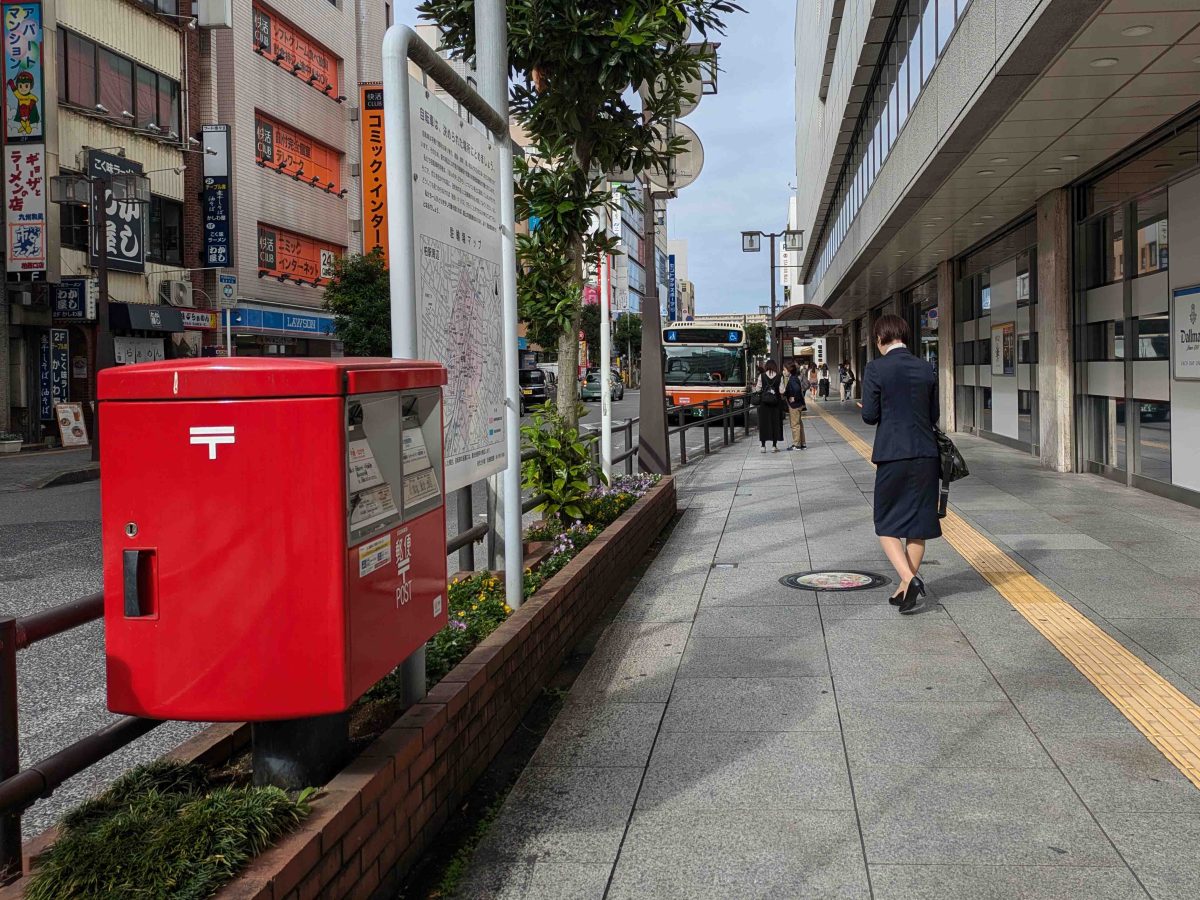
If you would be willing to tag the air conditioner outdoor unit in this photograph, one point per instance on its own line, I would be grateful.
(175, 293)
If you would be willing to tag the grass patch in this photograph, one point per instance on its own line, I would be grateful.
(164, 831)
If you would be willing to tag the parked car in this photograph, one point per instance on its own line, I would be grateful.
(536, 389)
(591, 387)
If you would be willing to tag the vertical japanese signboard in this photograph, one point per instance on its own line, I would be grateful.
(124, 238)
(23, 94)
(74, 300)
(45, 407)
(218, 250)
(672, 295)
(374, 171)
(456, 244)
(60, 374)
(25, 207)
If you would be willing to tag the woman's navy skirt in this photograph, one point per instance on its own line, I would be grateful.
(906, 497)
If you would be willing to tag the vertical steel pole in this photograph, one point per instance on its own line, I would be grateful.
(654, 450)
(105, 356)
(776, 350)
(402, 274)
(605, 357)
(10, 757)
(491, 67)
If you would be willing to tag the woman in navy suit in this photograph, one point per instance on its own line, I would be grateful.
(900, 395)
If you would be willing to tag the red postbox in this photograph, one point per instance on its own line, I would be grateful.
(274, 532)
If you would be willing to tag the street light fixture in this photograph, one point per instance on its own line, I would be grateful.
(793, 241)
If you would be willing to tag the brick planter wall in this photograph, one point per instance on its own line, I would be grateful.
(379, 814)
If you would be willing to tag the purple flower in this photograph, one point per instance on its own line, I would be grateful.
(458, 625)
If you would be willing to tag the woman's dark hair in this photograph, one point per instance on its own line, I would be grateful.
(889, 329)
(791, 367)
(770, 365)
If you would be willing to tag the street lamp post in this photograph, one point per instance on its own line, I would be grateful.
(793, 240)
(84, 190)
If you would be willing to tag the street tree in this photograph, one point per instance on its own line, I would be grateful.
(577, 65)
(359, 297)
(756, 339)
(627, 333)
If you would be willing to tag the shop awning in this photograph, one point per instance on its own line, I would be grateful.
(144, 317)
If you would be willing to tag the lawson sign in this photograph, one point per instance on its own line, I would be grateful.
(279, 321)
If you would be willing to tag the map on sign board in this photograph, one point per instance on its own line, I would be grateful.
(456, 200)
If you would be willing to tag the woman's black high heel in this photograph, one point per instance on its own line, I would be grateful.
(897, 598)
(916, 588)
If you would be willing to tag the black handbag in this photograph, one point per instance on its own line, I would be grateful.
(953, 467)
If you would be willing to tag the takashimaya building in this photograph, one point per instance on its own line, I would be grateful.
(1019, 179)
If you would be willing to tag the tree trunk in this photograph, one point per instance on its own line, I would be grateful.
(568, 346)
(568, 368)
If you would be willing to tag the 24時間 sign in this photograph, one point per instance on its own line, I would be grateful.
(303, 259)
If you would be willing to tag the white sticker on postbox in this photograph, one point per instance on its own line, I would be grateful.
(374, 555)
(437, 606)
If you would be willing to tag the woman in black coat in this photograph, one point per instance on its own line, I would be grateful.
(770, 406)
(900, 395)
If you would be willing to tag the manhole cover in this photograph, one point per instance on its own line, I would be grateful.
(839, 580)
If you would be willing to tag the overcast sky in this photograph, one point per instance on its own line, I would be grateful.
(748, 132)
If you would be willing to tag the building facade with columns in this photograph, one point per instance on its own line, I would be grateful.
(1003, 175)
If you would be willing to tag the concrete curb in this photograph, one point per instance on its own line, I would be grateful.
(75, 476)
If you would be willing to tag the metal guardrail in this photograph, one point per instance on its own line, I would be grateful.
(20, 788)
(708, 413)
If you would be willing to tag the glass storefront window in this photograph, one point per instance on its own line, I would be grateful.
(1108, 431)
(1027, 417)
(1027, 278)
(1104, 341)
(1152, 235)
(1153, 337)
(1153, 447)
(1104, 239)
(964, 407)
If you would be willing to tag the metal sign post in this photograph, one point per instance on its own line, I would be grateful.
(400, 46)
(605, 356)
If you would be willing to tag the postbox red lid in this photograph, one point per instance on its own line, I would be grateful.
(222, 378)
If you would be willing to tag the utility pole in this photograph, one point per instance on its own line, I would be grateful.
(491, 67)
(653, 453)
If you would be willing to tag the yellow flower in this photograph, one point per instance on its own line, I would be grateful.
(507, 609)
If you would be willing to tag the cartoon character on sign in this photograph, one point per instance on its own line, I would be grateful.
(26, 115)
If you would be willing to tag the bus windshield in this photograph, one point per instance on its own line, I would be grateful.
(706, 365)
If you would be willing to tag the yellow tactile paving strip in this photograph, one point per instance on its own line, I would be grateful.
(1168, 719)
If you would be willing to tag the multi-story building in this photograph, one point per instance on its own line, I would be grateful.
(1003, 175)
(284, 81)
(95, 88)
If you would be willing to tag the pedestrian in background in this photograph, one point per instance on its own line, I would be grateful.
(900, 396)
(846, 379)
(794, 395)
(824, 381)
(770, 407)
(813, 379)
